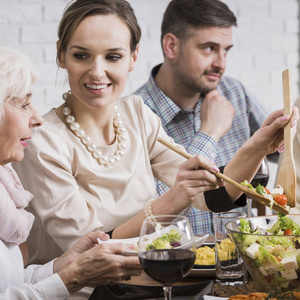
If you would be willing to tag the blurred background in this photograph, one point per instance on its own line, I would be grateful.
(266, 42)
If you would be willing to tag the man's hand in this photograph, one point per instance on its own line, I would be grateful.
(216, 115)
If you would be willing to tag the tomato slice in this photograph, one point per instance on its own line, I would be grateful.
(288, 232)
(281, 200)
(266, 190)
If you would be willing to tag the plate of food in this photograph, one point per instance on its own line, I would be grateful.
(171, 237)
(205, 261)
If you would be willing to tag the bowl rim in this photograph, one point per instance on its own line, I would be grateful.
(256, 217)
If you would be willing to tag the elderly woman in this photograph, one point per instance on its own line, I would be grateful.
(87, 263)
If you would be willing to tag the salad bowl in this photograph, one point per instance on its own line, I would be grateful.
(270, 248)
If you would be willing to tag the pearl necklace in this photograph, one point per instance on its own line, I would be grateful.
(106, 161)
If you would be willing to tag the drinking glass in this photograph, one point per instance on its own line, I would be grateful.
(261, 177)
(167, 249)
(230, 268)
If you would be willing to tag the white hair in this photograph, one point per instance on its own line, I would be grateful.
(16, 75)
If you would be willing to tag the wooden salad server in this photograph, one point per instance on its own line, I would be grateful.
(252, 194)
(286, 176)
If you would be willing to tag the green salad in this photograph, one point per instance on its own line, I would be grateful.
(271, 254)
(166, 241)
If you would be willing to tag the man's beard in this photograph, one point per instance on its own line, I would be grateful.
(198, 85)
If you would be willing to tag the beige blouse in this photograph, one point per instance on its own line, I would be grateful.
(74, 195)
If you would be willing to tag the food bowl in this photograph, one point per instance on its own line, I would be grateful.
(273, 260)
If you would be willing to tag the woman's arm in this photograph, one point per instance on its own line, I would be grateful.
(266, 140)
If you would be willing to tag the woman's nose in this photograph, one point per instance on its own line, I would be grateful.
(36, 118)
(97, 69)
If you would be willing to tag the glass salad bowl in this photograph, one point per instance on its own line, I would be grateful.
(270, 248)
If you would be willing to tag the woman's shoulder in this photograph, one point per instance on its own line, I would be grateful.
(53, 130)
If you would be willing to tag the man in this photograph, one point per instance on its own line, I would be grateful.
(208, 113)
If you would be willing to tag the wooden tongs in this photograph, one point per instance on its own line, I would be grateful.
(252, 194)
(287, 172)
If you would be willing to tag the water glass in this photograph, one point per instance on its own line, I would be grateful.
(230, 268)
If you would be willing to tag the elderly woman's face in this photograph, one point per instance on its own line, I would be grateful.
(16, 125)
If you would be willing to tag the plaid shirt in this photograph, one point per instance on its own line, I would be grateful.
(183, 125)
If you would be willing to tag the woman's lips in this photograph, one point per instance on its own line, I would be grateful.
(23, 141)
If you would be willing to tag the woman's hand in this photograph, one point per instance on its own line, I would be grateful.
(269, 138)
(85, 243)
(194, 176)
(102, 264)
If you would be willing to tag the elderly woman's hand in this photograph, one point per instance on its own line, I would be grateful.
(269, 138)
(85, 243)
(102, 264)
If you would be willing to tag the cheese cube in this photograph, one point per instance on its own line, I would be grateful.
(252, 251)
(289, 263)
(290, 274)
(277, 191)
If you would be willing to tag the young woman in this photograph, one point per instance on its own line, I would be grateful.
(92, 163)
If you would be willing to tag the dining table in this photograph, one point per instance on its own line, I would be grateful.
(141, 287)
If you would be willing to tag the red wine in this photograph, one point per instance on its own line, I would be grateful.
(167, 266)
(261, 179)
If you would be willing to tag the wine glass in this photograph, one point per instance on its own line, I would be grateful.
(261, 177)
(167, 249)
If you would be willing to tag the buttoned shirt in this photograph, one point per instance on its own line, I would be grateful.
(184, 124)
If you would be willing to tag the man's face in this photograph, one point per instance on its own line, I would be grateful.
(201, 61)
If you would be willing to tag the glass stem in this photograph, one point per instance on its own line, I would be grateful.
(168, 292)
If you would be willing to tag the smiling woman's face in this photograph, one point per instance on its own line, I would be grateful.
(98, 59)
(16, 124)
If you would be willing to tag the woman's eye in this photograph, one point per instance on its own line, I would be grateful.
(114, 57)
(80, 56)
(24, 106)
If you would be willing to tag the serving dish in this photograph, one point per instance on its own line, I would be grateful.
(203, 270)
(273, 260)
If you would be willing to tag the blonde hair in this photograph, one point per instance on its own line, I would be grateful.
(16, 75)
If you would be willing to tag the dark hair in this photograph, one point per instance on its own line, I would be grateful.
(182, 15)
(77, 10)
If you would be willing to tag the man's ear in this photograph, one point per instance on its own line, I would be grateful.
(170, 44)
(61, 58)
(133, 59)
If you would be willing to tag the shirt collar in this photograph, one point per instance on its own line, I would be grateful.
(166, 109)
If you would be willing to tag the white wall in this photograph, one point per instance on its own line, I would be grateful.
(265, 43)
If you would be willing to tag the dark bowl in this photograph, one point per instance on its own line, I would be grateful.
(204, 267)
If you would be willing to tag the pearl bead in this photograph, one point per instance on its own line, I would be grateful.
(97, 153)
(74, 126)
(121, 130)
(122, 146)
(70, 119)
(86, 140)
(91, 147)
(104, 160)
(120, 152)
(66, 111)
(122, 138)
(80, 133)
(111, 161)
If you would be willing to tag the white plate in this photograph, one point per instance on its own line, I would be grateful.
(199, 241)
